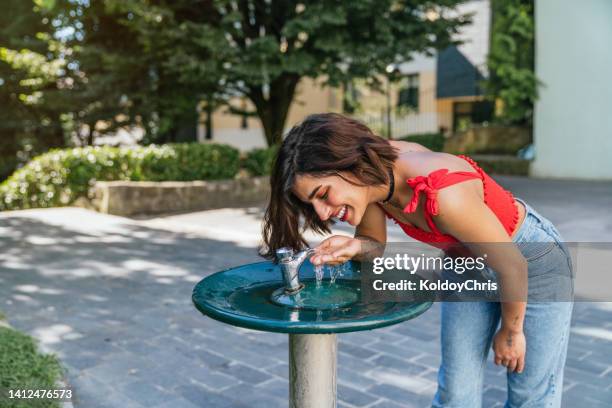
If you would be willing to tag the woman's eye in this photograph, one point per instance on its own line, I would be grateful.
(324, 196)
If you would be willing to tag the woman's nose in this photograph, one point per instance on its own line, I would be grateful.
(322, 210)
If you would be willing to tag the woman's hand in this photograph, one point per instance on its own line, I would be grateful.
(336, 250)
(510, 347)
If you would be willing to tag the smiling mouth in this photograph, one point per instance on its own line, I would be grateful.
(342, 214)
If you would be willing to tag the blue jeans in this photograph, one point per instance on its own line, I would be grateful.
(468, 329)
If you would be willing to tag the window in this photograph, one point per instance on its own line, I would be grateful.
(466, 114)
(408, 96)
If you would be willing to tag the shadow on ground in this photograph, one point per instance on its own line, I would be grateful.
(112, 297)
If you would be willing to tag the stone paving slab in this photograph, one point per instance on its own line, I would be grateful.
(112, 297)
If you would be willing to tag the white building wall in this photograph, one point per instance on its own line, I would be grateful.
(242, 139)
(573, 116)
(475, 36)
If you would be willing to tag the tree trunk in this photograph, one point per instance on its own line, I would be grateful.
(56, 136)
(90, 134)
(208, 135)
(273, 111)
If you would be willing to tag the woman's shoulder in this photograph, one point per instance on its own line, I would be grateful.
(407, 147)
(422, 163)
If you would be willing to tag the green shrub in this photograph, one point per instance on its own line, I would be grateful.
(505, 165)
(259, 162)
(59, 177)
(432, 141)
(188, 161)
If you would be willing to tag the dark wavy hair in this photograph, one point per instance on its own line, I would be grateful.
(322, 145)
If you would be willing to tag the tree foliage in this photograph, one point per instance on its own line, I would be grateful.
(262, 49)
(30, 99)
(72, 69)
(511, 60)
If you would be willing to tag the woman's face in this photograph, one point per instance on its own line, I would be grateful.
(333, 196)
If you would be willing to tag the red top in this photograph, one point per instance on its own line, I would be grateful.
(500, 201)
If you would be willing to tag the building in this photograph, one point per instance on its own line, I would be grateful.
(573, 122)
(439, 93)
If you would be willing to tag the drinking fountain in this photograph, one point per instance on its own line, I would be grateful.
(286, 297)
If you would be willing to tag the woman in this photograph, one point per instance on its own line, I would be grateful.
(332, 168)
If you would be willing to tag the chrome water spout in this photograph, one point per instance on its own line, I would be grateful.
(290, 266)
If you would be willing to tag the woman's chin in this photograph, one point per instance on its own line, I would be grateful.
(350, 218)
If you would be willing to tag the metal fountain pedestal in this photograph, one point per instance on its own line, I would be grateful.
(269, 297)
(313, 359)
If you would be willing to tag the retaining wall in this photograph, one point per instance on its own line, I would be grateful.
(130, 198)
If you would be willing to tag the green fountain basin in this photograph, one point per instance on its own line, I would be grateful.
(252, 296)
(319, 296)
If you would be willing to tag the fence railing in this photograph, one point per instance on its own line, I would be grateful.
(402, 125)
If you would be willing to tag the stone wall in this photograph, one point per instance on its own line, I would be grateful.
(489, 140)
(130, 198)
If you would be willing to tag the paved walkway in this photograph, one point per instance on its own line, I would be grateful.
(111, 296)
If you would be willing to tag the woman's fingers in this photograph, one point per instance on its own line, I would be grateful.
(328, 260)
(317, 259)
(334, 250)
(334, 258)
(513, 364)
(332, 241)
(521, 364)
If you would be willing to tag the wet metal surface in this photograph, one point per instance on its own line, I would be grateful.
(242, 297)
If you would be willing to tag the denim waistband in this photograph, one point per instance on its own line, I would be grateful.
(535, 227)
(535, 231)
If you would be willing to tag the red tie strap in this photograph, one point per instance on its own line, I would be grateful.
(429, 185)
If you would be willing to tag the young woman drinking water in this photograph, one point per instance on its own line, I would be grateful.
(333, 168)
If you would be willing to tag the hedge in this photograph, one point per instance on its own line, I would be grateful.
(432, 141)
(60, 176)
(259, 162)
(502, 164)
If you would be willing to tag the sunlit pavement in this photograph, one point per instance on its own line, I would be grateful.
(112, 297)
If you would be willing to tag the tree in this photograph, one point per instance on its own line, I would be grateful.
(30, 97)
(157, 63)
(511, 60)
(262, 49)
(176, 37)
(120, 74)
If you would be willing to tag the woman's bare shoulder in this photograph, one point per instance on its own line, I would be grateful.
(407, 147)
(421, 163)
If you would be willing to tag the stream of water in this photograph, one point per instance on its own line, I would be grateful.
(319, 272)
(334, 271)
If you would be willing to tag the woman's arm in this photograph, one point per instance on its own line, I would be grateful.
(372, 232)
(464, 215)
(368, 242)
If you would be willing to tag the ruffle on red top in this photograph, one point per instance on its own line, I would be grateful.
(500, 201)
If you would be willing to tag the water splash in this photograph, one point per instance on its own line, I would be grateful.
(334, 271)
(319, 272)
(337, 271)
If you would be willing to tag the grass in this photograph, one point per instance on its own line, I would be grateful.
(23, 367)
